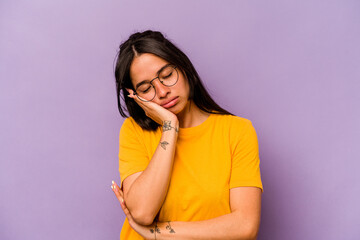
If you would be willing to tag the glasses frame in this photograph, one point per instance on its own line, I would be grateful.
(162, 82)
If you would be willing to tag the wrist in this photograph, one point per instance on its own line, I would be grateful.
(171, 124)
(165, 231)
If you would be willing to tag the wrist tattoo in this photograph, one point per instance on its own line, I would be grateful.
(163, 144)
(167, 126)
(168, 227)
(155, 230)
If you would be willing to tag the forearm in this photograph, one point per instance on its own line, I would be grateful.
(229, 226)
(153, 182)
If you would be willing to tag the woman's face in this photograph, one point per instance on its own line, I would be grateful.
(145, 67)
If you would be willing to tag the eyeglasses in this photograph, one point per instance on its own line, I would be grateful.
(168, 76)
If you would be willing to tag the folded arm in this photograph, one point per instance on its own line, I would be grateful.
(144, 192)
(242, 223)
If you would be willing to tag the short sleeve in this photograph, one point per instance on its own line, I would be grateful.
(245, 170)
(133, 157)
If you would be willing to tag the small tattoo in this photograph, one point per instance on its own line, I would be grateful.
(155, 229)
(163, 144)
(167, 126)
(168, 227)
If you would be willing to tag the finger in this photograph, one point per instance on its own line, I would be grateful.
(148, 107)
(120, 195)
(117, 191)
(133, 95)
(151, 109)
(130, 91)
(136, 97)
(125, 209)
(143, 99)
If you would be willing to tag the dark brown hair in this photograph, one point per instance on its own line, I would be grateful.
(155, 43)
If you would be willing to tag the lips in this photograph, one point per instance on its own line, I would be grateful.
(170, 103)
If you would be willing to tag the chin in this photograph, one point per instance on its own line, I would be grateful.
(179, 109)
(175, 110)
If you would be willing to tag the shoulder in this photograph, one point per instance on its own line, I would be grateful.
(231, 121)
(129, 123)
(131, 129)
(236, 129)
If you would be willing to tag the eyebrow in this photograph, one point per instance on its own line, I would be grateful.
(157, 74)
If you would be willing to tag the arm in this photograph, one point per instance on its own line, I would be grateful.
(242, 223)
(153, 182)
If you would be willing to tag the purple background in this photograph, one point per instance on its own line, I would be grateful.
(293, 68)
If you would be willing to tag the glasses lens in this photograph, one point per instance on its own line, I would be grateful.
(145, 91)
(168, 76)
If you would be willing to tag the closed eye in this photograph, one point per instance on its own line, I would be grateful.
(169, 75)
(146, 90)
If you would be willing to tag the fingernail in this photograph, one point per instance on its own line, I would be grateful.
(112, 187)
(122, 200)
(112, 182)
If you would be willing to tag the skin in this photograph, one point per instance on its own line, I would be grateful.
(145, 67)
(242, 223)
(152, 184)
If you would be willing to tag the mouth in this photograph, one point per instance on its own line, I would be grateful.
(170, 103)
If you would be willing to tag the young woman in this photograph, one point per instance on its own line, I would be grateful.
(189, 169)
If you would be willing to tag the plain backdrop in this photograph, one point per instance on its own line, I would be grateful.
(291, 67)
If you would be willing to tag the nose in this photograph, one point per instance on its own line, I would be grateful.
(161, 90)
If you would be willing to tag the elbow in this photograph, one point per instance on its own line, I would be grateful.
(247, 231)
(140, 213)
(142, 217)
(251, 233)
(246, 235)
(252, 236)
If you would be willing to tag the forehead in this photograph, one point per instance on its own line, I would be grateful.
(145, 67)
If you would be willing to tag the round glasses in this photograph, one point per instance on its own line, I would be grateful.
(168, 76)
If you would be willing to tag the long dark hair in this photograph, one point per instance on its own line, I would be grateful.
(155, 43)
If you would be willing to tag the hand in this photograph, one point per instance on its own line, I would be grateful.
(154, 111)
(148, 232)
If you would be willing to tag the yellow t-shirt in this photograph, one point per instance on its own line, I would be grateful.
(210, 159)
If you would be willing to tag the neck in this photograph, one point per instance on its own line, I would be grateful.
(191, 116)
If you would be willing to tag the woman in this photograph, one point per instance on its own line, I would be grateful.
(189, 169)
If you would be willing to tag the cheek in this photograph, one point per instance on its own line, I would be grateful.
(187, 88)
(184, 86)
